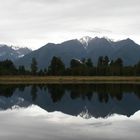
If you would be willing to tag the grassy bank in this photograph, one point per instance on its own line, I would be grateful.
(67, 79)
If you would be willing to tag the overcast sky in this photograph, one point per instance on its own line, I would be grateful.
(33, 23)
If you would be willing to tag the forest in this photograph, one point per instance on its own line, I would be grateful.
(83, 67)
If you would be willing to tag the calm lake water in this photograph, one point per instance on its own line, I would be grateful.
(73, 112)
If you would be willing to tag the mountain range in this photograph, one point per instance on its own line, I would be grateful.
(85, 47)
(12, 53)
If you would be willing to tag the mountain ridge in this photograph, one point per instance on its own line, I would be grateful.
(126, 49)
(12, 52)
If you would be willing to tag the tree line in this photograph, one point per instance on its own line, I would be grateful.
(83, 67)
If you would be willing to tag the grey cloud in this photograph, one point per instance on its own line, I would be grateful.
(97, 30)
(33, 19)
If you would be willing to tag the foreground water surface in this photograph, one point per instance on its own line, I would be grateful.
(60, 112)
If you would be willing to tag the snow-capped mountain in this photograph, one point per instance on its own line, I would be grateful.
(12, 53)
(85, 47)
(85, 41)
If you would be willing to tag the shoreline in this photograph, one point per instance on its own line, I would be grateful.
(69, 80)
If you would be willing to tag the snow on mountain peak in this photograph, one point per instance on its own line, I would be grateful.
(1, 45)
(15, 47)
(85, 40)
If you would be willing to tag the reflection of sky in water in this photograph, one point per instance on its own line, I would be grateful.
(34, 123)
(100, 100)
(50, 112)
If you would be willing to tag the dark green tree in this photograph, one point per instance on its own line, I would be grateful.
(74, 63)
(117, 67)
(89, 63)
(45, 71)
(100, 61)
(119, 62)
(100, 68)
(77, 67)
(56, 67)
(106, 60)
(34, 67)
(21, 70)
(7, 68)
(137, 69)
(40, 73)
(106, 65)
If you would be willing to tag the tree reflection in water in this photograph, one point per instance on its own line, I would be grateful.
(99, 99)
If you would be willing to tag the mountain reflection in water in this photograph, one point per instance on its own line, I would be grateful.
(99, 100)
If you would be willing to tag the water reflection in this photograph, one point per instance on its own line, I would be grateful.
(98, 100)
(34, 123)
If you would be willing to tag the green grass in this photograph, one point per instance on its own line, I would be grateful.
(67, 79)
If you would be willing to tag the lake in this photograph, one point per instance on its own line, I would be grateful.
(70, 112)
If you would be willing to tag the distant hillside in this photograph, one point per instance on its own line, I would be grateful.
(86, 47)
(12, 53)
